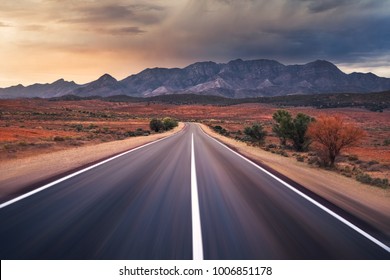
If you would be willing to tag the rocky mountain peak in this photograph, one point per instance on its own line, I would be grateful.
(107, 78)
(237, 78)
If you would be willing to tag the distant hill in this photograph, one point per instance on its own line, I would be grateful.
(377, 101)
(235, 79)
(58, 88)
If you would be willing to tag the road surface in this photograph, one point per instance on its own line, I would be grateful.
(183, 197)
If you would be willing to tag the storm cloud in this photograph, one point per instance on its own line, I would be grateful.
(79, 40)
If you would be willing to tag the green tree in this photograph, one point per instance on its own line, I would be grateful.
(255, 133)
(299, 136)
(284, 126)
(294, 129)
(156, 125)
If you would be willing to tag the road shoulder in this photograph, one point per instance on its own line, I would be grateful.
(370, 204)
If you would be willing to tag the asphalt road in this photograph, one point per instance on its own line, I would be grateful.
(138, 206)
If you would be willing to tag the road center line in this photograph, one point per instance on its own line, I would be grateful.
(197, 245)
(316, 203)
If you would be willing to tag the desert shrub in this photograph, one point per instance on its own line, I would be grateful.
(139, 132)
(374, 167)
(282, 153)
(130, 133)
(364, 178)
(92, 126)
(156, 125)
(333, 135)
(78, 127)
(255, 133)
(313, 160)
(300, 158)
(23, 143)
(75, 143)
(219, 129)
(58, 138)
(386, 142)
(353, 157)
(367, 179)
(169, 123)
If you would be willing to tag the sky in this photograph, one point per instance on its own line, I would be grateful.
(44, 40)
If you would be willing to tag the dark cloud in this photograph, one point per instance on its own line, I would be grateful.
(129, 30)
(317, 6)
(120, 31)
(113, 13)
(299, 30)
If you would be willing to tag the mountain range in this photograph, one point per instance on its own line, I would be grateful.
(235, 79)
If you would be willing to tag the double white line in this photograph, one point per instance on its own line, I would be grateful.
(197, 245)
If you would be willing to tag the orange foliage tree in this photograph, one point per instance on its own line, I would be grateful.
(333, 135)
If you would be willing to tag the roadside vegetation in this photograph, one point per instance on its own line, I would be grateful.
(165, 124)
(318, 142)
(333, 135)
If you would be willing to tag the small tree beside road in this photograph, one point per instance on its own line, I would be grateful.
(333, 135)
(288, 128)
(156, 125)
(255, 133)
(299, 136)
(283, 126)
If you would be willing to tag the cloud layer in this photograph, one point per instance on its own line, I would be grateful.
(42, 40)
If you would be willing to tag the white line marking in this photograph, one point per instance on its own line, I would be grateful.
(316, 203)
(16, 199)
(197, 245)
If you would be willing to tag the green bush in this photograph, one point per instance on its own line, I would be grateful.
(58, 138)
(255, 133)
(169, 123)
(287, 128)
(367, 179)
(219, 129)
(156, 125)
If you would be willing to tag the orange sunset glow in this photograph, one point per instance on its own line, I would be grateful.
(45, 40)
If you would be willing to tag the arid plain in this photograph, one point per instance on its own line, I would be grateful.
(42, 139)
